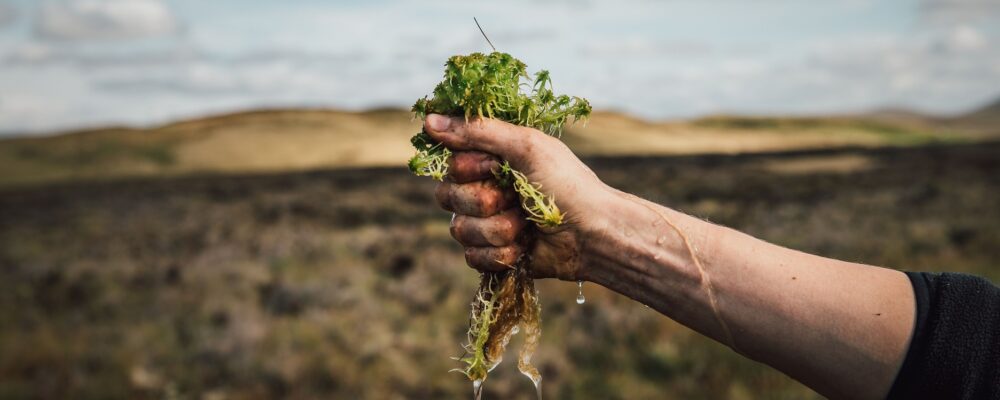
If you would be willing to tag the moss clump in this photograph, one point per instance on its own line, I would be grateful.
(491, 86)
(497, 85)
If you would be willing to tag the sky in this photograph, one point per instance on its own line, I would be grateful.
(67, 64)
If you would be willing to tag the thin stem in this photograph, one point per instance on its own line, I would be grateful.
(484, 34)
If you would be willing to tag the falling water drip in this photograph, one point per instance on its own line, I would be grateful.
(579, 294)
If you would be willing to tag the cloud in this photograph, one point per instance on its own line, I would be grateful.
(967, 38)
(261, 75)
(959, 11)
(944, 71)
(645, 47)
(8, 14)
(663, 60)
(76, 20)
(41, 53)
(517, 36)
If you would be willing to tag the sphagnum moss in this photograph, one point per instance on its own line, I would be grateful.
(497, 85)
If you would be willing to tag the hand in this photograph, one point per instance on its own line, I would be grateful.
(488, 219)
(851, 322)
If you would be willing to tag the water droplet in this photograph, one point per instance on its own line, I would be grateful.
(661, 239)
(579, 294)
(477, 389)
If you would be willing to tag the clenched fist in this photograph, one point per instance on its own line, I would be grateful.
(488, 219)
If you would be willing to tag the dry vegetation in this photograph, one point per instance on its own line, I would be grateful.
(296, 140)
(346, 284)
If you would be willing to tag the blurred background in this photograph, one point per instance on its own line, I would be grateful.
(207, 200)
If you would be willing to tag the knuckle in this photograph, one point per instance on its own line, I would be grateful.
(455, 228)
(494, 233)
(528, 141)
(486, 165)
(491, 258)
(499, 230)
(469, 166)
(491, 234)
(478, 258)
(508, 255)
(469, 130)
(469, 232)
(471, 257)
(504, 229)
(478, 199)
(487, 200)
(510, 229)
(443, 195)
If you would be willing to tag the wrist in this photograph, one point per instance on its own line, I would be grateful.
(647, 252)
(633, 239)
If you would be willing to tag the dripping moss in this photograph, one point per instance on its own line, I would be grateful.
(497, 86)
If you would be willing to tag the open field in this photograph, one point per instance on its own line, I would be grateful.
(346, 284)
(297, 140)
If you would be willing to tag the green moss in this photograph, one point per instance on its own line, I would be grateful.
(491, 86)
(497, 86)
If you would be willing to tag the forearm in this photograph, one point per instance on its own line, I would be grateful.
(839, 327)
(638, 254)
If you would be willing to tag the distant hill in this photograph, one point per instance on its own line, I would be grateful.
(986, 117)
(300, 139)
(980, 123)
(265, 140)
(901, 116)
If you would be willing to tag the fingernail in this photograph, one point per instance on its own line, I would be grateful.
(438, 123)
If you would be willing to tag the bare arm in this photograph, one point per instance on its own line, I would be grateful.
(840, 328)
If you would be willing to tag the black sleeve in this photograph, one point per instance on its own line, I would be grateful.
(955, 349)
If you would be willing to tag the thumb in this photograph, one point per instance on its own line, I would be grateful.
(503, 139)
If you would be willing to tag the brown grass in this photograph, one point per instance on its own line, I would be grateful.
(296, 140)
(346, 284)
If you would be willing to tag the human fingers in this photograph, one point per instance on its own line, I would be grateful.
(508, 141)
(493, 259)
(477, 199)
(499, 230)
(469, 166)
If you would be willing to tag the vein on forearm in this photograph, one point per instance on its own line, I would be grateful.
(706, 280)
(645, 255)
